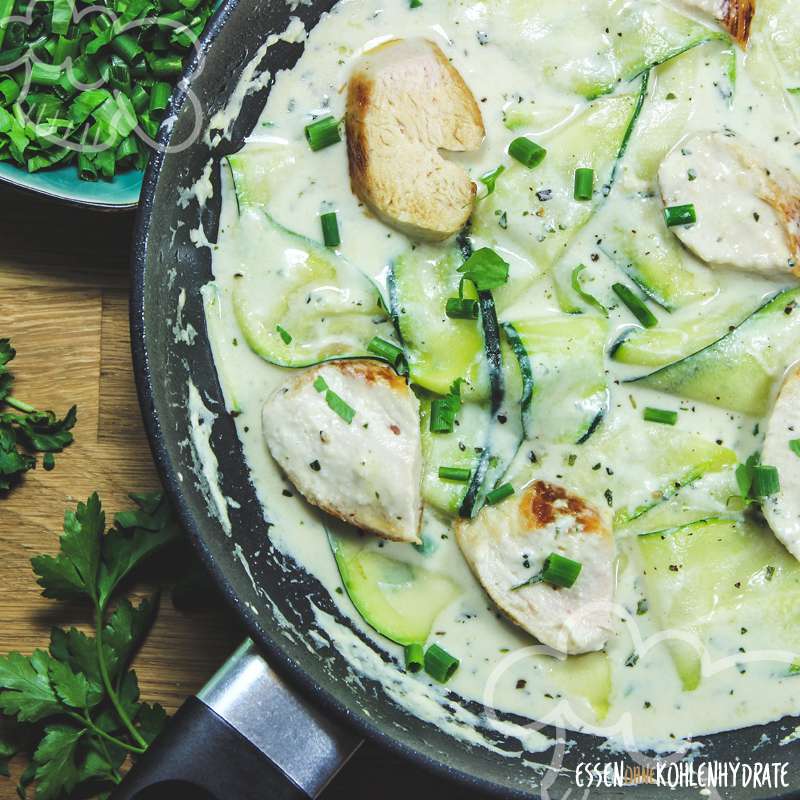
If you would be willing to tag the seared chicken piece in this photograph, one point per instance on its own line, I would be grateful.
(748, 213)
(782, 511)
(736, 16)
(508, 543)
(405, 101)
(367, 471)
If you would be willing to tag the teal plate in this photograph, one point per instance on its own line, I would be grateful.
(63, 184)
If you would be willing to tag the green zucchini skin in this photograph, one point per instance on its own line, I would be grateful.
(377, 584)
(737, 371)
(268, 298)
(526, 373)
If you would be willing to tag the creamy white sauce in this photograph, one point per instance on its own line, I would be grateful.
(500, 665)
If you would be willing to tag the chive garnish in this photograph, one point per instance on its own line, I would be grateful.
(500, 493)
(386, 350)
(489, 179)
(635, 305)
(457, 474)
(557, 570)
(319, 384)
(766, 481)
(415, 657)
(415, 3)
(461, 308)
(439, 664)
(527, 152)
(444, 410)
(485, 269)
(323, 132)
(285, 335)
(583, 294)
(680, 215)
(660, 415)
(794, 446)
(330, 229)
(338, 405)
(584, 183)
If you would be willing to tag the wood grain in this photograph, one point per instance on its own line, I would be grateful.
(64, 304)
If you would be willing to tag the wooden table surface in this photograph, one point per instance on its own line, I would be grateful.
(64, 304)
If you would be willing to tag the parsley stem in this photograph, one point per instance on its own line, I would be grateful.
(107, 736)
(112, 694)
(26, 408)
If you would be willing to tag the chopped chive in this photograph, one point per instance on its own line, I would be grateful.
(444, 410)
(439, 664)
(415, 657)
(500, 493)
(766, 481)
(319, 384)
(323, 133)
(442, 416)
(489, 179)
(330, 229)
(557, 570)
(680, 215)
(642, 606)
(587, 298)
(794, 668)
(386, 350)
(660, 415)
(285, 335)
(454, 474)
(335, 403)
(635, 305)
(461, 308)
(794, 446)
(527, 152)
(584, 183)
(48, 461)
(415, 3)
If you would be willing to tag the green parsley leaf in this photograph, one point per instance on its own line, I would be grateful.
(150, 720)
(56, 770)
(794, 446)
(25, 689)
(125, 631)
(73, 572)
(72, 688)
(485, 269)
(131, 540)
(26, 427)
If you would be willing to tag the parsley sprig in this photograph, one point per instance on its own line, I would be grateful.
(25, 430)
(76, 707)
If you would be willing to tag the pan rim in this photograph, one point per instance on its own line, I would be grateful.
(290, 670)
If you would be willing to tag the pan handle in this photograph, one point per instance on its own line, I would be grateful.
(246, 735)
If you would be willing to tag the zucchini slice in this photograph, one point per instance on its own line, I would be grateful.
(642, 247)
(489, 428)
(397, 598)
(438, 349)
(303, 304)
(542, 216)
(721, 576)
(569, 391)
(655, 347)
(254, 169)
(739, 370)
(674, 459)
(611, 41)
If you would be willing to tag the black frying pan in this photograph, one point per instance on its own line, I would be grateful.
(266, 598)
